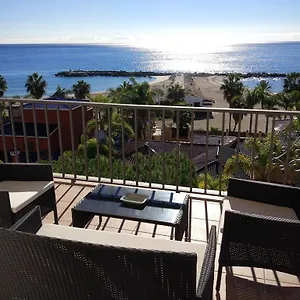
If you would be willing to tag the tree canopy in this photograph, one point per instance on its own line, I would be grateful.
(232, 87)
(176, 94)
(36, 85)
(3, 85)
(61, 92)
(81, 89)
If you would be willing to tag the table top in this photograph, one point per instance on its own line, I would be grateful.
(162, 207)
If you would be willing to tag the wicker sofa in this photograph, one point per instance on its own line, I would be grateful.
(260, 227)
(74, 263)
(22, 187)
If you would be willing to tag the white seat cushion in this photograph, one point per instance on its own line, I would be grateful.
(253, 207)
(123, 240)
(21, 193)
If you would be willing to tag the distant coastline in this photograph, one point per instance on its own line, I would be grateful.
(122, 73)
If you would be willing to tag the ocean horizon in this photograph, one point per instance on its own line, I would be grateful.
(17, 61)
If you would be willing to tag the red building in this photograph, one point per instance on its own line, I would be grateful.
(56, 114)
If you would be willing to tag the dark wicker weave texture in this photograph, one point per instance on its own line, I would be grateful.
(48, 268)
(26, 172)
(265, 192)
(30, 222)
(259, 241)
(206, 280)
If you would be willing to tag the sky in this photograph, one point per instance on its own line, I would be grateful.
(155, 23)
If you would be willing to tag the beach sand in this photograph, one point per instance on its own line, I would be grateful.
(159, 79)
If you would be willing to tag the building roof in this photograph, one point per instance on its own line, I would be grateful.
(197, 152)
(54, 106)
(200, 160)
(213, 140)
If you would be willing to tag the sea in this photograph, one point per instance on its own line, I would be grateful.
(19, 61)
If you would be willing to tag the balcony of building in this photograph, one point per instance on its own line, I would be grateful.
(194, 163)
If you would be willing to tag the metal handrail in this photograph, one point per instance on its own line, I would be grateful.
(157, 107)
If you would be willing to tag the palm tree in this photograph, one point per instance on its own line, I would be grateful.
(158, 94)
(133, 92)
(3, 85)
(81, 89)
(36, 85)
(264, 86)
(231, 87)
(176, 93)
(61, 92)
(296, 97)
(3, 88)
(286, 100)
(251, 99)
(269, 102)
(238, 102)
(292, 82)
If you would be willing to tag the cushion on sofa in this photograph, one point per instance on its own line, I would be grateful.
(123, 240)
(253, 207)
(21, 193)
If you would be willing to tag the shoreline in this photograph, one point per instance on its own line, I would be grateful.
(121, 73)
(156, 81)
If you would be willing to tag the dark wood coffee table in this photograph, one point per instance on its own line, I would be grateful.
(162, 208)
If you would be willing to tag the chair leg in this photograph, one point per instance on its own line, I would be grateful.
(219, 278)
(55, 215)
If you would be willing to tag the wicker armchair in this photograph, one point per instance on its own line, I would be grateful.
(22, 187)
(265, 192)
(260, 241)
(50, 268)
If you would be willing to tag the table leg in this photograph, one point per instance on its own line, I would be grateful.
(172, 233)
(189, 220)
(80, 219)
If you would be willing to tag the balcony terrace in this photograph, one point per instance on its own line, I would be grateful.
(73, 183)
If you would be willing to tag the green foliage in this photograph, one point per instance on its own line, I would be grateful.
(234, 166)
(36, 85)
(260, 150)
(81, 89)
(185, 118)
(135, 93)
(175, 94)
(289, 101)
(140, 173)
(232, 87)
(91, 149)
(292, 82)
(3, 85)
(214, 129)
(157, 94)
(100, 98)
(212, 183)
(61, 92)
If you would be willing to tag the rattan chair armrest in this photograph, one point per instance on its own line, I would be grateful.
(30, 222)
(265, 192)
(206, 279)
(264, 231)
(26, 172)
(5, 210)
